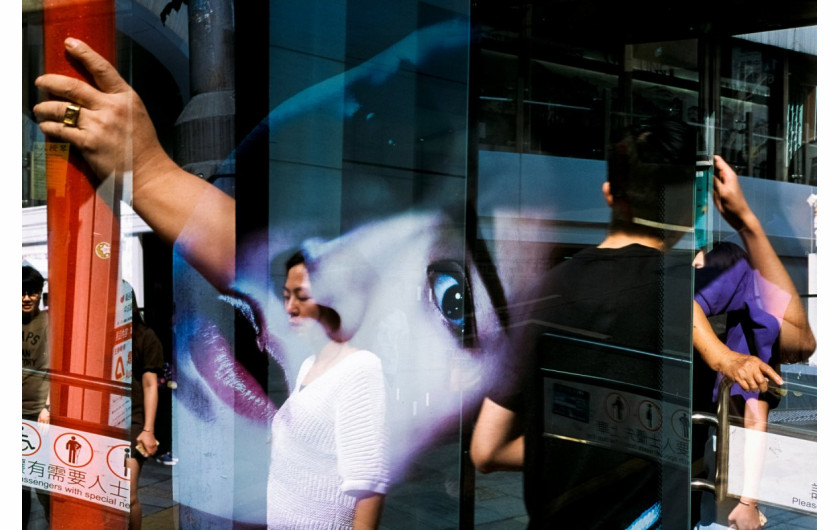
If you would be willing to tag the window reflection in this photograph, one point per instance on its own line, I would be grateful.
(372, 148)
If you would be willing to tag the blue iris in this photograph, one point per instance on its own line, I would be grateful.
(449, 296)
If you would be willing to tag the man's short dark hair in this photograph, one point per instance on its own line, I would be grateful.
(650, 172)
(33, 282)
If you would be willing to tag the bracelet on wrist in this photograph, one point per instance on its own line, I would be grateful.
(748, 504)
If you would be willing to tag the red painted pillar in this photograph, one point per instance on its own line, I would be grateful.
(83, 238)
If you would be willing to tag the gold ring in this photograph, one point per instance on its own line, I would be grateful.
(71, 115)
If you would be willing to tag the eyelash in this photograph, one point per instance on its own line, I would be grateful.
(287, 297)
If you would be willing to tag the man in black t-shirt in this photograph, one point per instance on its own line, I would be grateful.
(613, 294)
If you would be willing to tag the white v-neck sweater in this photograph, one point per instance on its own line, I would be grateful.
(328, 444)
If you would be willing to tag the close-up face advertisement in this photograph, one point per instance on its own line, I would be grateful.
(427, 264)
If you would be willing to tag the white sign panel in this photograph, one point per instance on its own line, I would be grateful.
(75, 463)
(786, 475)
(119, 411)
(121, 361)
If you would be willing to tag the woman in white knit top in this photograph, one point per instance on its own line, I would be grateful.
(329, 461)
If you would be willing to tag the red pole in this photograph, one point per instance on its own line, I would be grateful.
(83, 238)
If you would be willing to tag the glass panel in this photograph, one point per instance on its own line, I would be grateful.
(666, 80)
(566, 109)
(367, 177)
(768, 108)
(748, 136)
(498, 100)
(541, 206)
(762, 436)
(441, 168)
(802, 118)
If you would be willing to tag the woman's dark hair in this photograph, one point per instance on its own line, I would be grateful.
(724, 255)
(296, 259)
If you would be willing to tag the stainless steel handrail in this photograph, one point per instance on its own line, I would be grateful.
(721, 422)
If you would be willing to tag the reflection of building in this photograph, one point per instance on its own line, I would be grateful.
(548, 97)
(548, 92)
(516, 133)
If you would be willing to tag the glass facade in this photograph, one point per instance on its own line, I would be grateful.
(388, 216)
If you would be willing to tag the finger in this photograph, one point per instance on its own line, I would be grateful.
(723, 171)
(720, 172)
(758, 381)
(50, 115)
(63, 133)
(69, 89)
(745, 381)
(55, 110)
(104, 74)
(748, 377)
(767, 370)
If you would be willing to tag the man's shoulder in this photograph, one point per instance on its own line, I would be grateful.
(40, 320)
(633, 250)
(580, 264)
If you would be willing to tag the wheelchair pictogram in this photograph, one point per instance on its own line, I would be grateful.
(30, 440)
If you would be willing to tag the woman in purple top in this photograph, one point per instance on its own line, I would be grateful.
(766, 325)
(727, 284)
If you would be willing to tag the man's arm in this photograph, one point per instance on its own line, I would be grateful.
(498, 443)
(796, 340)
(116, 137)
(150, 403)
(44, 415)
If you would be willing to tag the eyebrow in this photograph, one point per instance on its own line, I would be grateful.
(485, 266)
(489, 275)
